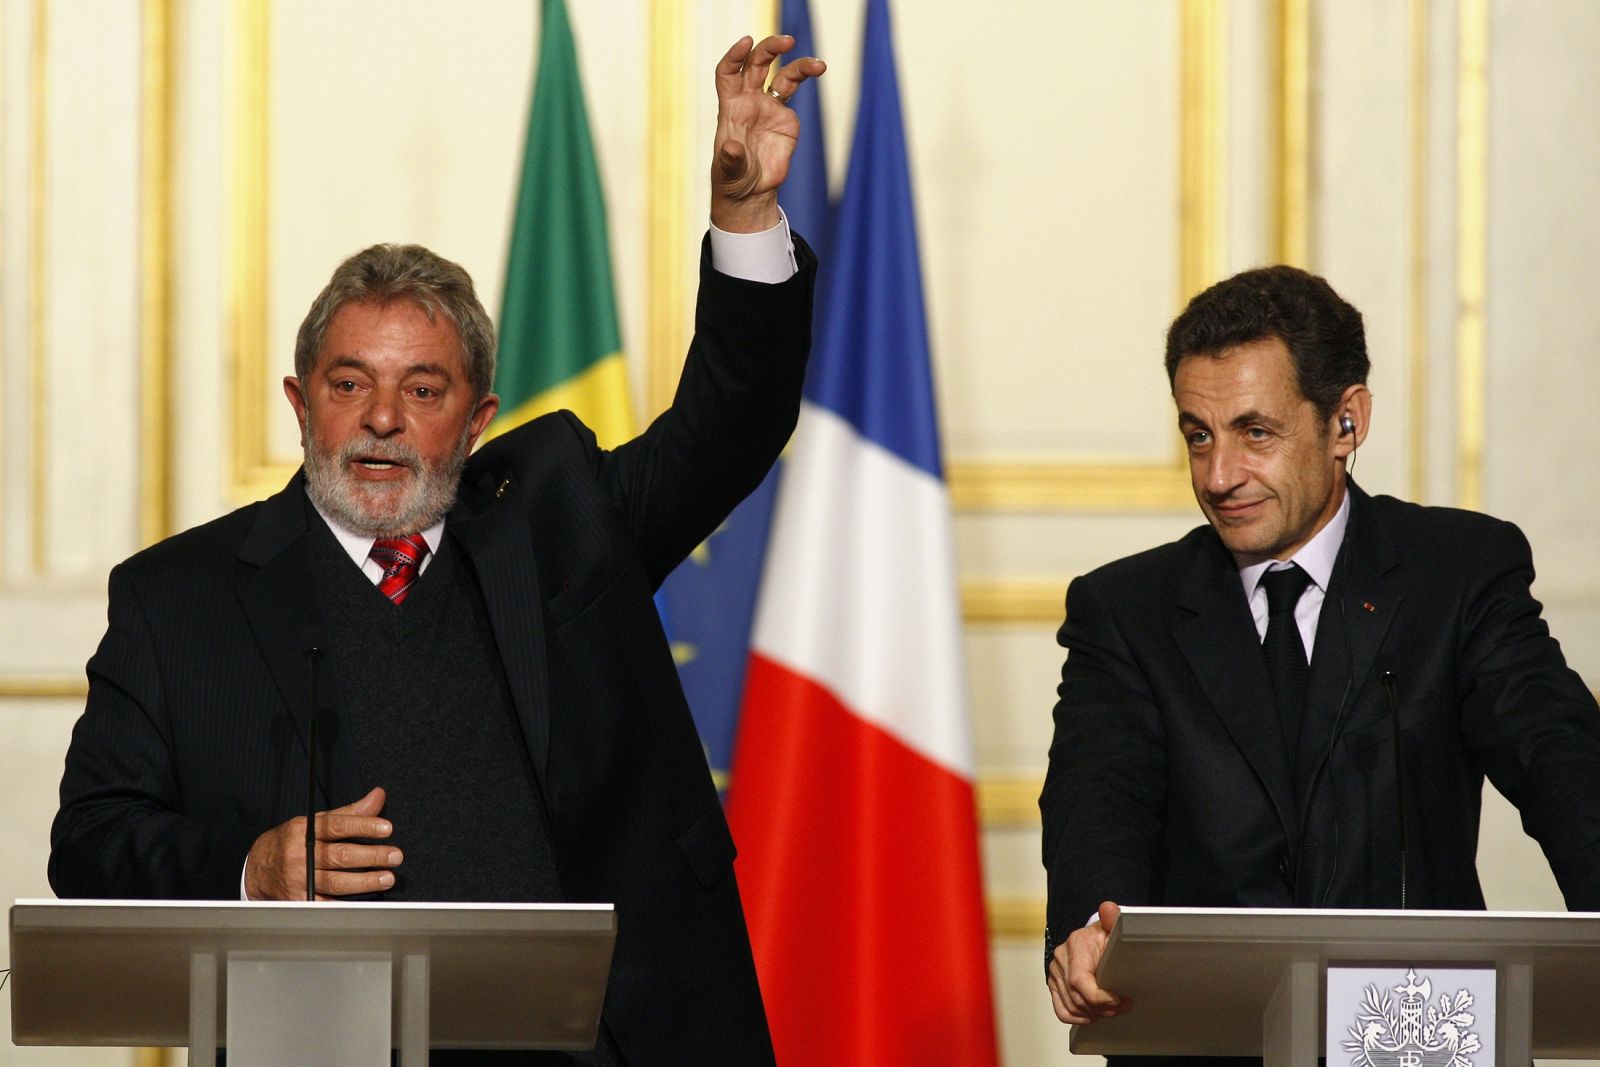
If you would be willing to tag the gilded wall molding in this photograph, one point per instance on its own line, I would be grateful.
(1202, 148)
(155, 254)
(671, 94)
(5, 234)
(254, 474)
(1417, 325)
(38, 286)
(43, 687)
(1472, 211)
(1009, 801)
(1064, 484)
(1010, 602)
(1292, 112)
(1017, 918)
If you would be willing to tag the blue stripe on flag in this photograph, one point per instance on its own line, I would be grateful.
(708, 603)
(870, 361)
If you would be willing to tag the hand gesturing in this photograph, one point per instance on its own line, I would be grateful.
(756, 132)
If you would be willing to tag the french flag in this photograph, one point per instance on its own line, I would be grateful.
(851, 797)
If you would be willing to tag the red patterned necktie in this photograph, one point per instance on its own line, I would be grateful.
(399, 557)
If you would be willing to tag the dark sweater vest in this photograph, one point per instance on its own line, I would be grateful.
(423, 699)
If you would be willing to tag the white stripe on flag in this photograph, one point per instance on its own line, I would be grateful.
(859, 591)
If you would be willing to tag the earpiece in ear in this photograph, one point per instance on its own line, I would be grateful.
(1347, 428)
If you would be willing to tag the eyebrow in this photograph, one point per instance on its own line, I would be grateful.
(1252, 417)
(357, 363)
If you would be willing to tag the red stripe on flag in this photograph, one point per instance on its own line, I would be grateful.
(858, 865)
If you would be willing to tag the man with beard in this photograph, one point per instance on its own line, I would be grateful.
(504, 721)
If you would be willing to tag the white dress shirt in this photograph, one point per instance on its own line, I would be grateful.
(1316, 559)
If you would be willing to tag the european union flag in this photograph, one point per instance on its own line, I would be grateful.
(707, 604)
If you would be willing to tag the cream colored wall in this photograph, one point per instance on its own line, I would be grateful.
(1079, 169)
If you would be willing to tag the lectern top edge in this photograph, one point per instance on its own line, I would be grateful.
(325, 918)
(1339, 930)
(98, 902)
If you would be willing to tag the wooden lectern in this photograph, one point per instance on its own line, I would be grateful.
(329, 982)
(1242, 982)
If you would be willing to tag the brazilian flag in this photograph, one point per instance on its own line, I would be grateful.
(559, 342)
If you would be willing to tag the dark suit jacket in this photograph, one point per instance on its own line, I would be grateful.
(193, 739)
(1168, 781)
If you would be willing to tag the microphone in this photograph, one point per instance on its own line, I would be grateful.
(1388, 681)
(313, 647)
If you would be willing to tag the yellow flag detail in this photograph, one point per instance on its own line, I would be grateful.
(599, 395)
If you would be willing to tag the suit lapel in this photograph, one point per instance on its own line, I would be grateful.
(496, 542)
(1218, 638)
(277, 592)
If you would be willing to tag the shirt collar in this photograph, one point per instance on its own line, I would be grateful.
(359, 545)
(1316, 558)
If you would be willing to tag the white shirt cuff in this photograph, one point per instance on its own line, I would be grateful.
(767, 256)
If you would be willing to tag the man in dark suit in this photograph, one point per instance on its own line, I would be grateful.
(506, 721)
(1201, 758)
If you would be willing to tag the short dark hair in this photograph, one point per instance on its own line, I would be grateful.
(388, 272)
(1320, 329)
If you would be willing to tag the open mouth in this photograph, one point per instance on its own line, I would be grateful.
(381, 467)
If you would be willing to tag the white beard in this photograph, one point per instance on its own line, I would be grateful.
(382, 509)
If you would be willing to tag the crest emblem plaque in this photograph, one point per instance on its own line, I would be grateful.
(1389, 1017)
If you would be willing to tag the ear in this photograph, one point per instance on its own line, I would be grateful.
(1355, 405)
(482, 415)
(297, 400)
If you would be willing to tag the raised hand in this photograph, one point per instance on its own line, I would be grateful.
(756, 132)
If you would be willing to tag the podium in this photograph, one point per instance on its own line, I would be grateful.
(1244, 982)
(271, 980)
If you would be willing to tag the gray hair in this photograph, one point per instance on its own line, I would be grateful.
(403, 272)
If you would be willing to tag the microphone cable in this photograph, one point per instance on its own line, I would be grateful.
(1387, 680)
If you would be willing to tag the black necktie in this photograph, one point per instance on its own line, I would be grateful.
(1285, 652)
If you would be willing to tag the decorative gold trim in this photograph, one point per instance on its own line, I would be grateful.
(152, 1057)
(155, 325)
(1009, 802)
(1201, 151)
(1417, 326)
(670, 103)
(1472, 209)
(1064, 485)
(43, 687)
(1016, 918)
(1009, 602)
(255, 475)
(1292, 106)
(1103, 485)
(4, 236)
(37, 284)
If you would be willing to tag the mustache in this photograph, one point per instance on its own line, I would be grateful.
(376, 448)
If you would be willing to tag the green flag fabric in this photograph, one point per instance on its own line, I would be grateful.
(560, 346)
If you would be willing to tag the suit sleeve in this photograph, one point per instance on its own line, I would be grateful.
(1531, 722)
(736, 405)
(1105, 790)
(120, 831)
